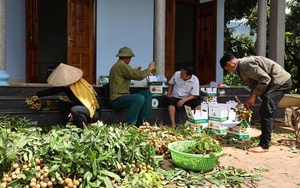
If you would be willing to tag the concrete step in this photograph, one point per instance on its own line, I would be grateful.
(108, 116)
(12, 101)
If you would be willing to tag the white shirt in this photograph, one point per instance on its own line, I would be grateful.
(184, 89)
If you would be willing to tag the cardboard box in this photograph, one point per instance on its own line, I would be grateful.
(231, 110)
(197, 119)
(239, 131)
(156, 88)
(217, 112)
(209, 94)
(217, 127)
(104, 79)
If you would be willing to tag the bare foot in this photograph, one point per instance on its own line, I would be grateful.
(173, 126)
(258, 149)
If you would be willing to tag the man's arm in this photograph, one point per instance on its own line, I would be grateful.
(170, 89)
(250, 101)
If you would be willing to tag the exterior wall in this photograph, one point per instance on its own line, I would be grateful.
(118, 23)
(130, 24)
(220, 40)
(16, 44)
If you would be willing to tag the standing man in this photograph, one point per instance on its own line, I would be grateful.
(139, 104)
(183, 89)
(267, 80)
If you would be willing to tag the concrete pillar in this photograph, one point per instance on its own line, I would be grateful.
(3, 75)
(277, 31)
(159, 35)
(261, 43)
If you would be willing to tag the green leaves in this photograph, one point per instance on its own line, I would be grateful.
(99, 155)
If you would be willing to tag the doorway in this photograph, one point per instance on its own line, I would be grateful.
(191, 38)
(59, 31)
(184, 35)
(52, 36)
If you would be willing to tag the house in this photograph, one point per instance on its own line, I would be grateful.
(37, 35)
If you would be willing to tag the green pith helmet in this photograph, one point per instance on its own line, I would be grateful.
(125, 52)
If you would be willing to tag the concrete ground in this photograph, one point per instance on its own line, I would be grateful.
(282, 162)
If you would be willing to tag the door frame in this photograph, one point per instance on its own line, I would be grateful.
(32, 41)
(170, 37)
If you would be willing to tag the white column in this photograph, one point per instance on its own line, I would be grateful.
(159, 35)
(3, 75)
(261, 44)
(277, 31)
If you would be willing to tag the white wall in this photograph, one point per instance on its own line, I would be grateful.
(16, 36)
(119, 23)
(220, 40)
(124, 23)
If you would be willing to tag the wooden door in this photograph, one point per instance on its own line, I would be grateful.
(170, 39)
(206, 33)
(80, 37)
(205, 39)
(32, 52)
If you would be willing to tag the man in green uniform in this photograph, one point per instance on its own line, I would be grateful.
(139, 104)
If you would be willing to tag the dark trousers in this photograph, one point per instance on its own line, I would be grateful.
(267, 109)
(80, 114)
(192, 103)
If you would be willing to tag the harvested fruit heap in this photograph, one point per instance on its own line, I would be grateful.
(42, 178)
(35, 103)
(160, 138)
(244, 114)
(98, 156)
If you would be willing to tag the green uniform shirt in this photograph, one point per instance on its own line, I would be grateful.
(120, 76)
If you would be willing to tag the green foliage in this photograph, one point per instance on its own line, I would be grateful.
(237, 10)
(292, 43)
(232, 79)
(242, 46)
(96, 155)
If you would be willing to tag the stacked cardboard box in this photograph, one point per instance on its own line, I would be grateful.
(104, 79)
(217, 113)
(209, 94)
(219, 118)
(239, 129)
(155, 86)
(197, 119)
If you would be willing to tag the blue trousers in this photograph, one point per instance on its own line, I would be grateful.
(139, 106)
(267, 109)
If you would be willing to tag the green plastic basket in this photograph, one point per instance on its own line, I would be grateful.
(194, 162)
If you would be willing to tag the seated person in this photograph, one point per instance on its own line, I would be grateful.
(183, 90)
(139, 104)
(82, 107)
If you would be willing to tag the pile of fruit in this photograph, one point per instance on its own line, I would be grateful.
(40, 177)
(244, 114)
(36, 103)
(160, 138)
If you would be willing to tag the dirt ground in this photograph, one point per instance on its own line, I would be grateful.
(280, 164)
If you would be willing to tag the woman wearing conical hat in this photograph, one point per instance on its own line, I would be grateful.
(82, 107)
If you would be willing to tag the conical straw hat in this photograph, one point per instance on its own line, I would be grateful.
(64, 75)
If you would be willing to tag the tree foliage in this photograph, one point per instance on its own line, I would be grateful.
(241, 46)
